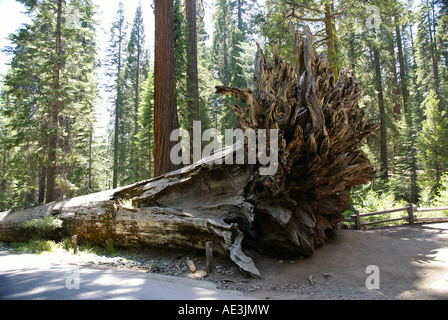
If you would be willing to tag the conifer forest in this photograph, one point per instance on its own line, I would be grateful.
(78, 118)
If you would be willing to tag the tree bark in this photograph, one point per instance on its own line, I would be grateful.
(165, 108)
(290, 212)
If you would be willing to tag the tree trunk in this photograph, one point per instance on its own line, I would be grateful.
(331, 37)
(192, 65)
(407, 110)
(393, 69)
(118, 102)
(42, 178)
(3, 177)
(288, 212)
(165, 108)
(434, 51)
(403, 78)
(240, 15)
(90, 159)
(55, 108)
(192, 60)
(134, 149)
(382, 111)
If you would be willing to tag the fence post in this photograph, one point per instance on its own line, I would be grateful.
(75, 244)
(209, 257)
(411, 213)
(358, 220)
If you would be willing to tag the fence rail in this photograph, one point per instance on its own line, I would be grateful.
(411, 209)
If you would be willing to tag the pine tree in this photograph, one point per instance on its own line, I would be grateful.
(244, 12)
(442, 39)
(427, 49)
(145, 137)
(136, 71)
(205, 76)
(225, 53)
(433, 142)
(50, 92)
(116, 58)
(192, 61)
(180, 64)
(324, 15)
(222, 42)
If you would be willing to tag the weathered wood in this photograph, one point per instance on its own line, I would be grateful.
(358, 220)
(431, 220)
(382, 221)
(431, 209)
(289, 213)
(384, 212)
(75, 244)
(209, 257)
(410, 209)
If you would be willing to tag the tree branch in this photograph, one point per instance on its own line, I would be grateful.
(295, 5)
(293, 15)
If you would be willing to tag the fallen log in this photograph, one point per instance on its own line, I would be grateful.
(288, 213)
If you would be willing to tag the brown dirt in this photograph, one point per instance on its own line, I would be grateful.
(413, 264)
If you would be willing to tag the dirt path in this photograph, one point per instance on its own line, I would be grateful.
(412, 262)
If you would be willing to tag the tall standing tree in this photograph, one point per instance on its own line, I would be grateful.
(224, 60)
(136, 73)
(382, 113)
(222, 42)
(56, 106)
(115, 61)
(433, 141)
(145, 136)
(49, 88)
(192, 61)
(407, 111)
(180, 63)
(165, 109)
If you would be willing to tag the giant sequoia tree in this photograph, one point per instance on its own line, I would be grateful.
(290, 213)
(165, 111)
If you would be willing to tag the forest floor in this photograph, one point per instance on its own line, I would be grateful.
(412, 263)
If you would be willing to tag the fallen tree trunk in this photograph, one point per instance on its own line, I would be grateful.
(289, 213)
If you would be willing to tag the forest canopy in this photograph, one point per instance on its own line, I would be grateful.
(50, 145)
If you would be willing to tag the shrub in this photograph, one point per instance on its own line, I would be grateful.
(37, 246)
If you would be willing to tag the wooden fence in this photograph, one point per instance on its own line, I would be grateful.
(410, 216)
